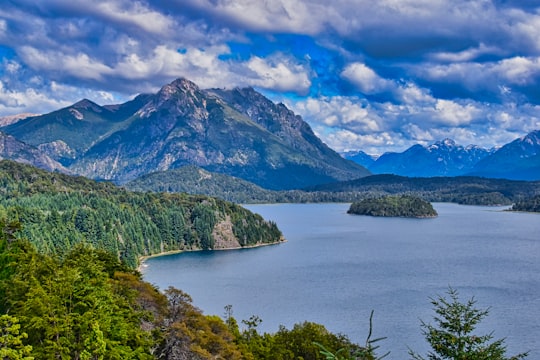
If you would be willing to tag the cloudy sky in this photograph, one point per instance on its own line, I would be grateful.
(370, 75)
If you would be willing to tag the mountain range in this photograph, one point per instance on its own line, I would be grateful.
(517, 160)
(236, 132)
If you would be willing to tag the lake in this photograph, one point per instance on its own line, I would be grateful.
(335, 268)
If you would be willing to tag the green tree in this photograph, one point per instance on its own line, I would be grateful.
(453, 335)
(11, 340)
(365, 353)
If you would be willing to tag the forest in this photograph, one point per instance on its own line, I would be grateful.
(393, 206)
(85, 304)
(69, 288)
(466, 190)
(530, 205)
(60, 211)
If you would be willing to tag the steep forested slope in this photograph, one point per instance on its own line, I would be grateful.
(59, 211)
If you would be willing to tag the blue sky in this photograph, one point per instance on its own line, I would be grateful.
(366, 75)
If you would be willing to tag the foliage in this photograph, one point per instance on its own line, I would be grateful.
(69, 308)
(85, 305)
(11, 340)
(189, 334)
(365, 353)
(401, 206)
(453, 337)
(60, 211)
(303, 341)
(531, 205)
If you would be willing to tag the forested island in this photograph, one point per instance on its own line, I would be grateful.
(530, 205)
(393, 206)
(59, 211)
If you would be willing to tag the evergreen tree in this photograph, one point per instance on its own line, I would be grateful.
(453, 335)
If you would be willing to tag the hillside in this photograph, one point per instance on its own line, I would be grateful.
(467, 190)
(65, 134)
(195, 180)
(60, 211)
(13, 149)
(236, 132)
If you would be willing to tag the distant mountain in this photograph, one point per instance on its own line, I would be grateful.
(67, 133)
(443, 158)
(360, 158)
(236, 132)
(11, 119)
(518, 160)
(13, 149)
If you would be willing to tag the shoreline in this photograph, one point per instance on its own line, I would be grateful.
(142, 259)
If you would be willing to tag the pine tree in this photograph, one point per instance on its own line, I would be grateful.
(453, 335)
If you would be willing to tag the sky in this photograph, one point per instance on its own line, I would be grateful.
(367, 75)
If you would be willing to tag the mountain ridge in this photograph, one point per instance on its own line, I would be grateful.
(517, 160)
(237, 132)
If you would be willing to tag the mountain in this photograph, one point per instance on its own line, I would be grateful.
(443, 158)
(66, 134)
(518, 160)
(236, 132)
(11, 119)
(13, 149)
(360, 158)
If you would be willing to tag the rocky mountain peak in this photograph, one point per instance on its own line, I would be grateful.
(179, 85)
(86, 104)
(180, 96)
(532, 138)
(446, 144)
(236, 132)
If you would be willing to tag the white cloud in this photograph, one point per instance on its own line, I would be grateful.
(340, 112)
(466, 55)
(345, 140)
(412, 94)
(278, 74)
(365, 79)
(488, 76)
(136, 13)
(79, 65)
(518, 70)
(525, 29)
(281, 15)
(14, 102)
(451, 113)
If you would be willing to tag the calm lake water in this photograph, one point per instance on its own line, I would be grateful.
(335, 268)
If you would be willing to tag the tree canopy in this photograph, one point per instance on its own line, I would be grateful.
(60, 211)
(395, 206)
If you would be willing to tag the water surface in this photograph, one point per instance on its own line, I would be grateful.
(335, 268)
